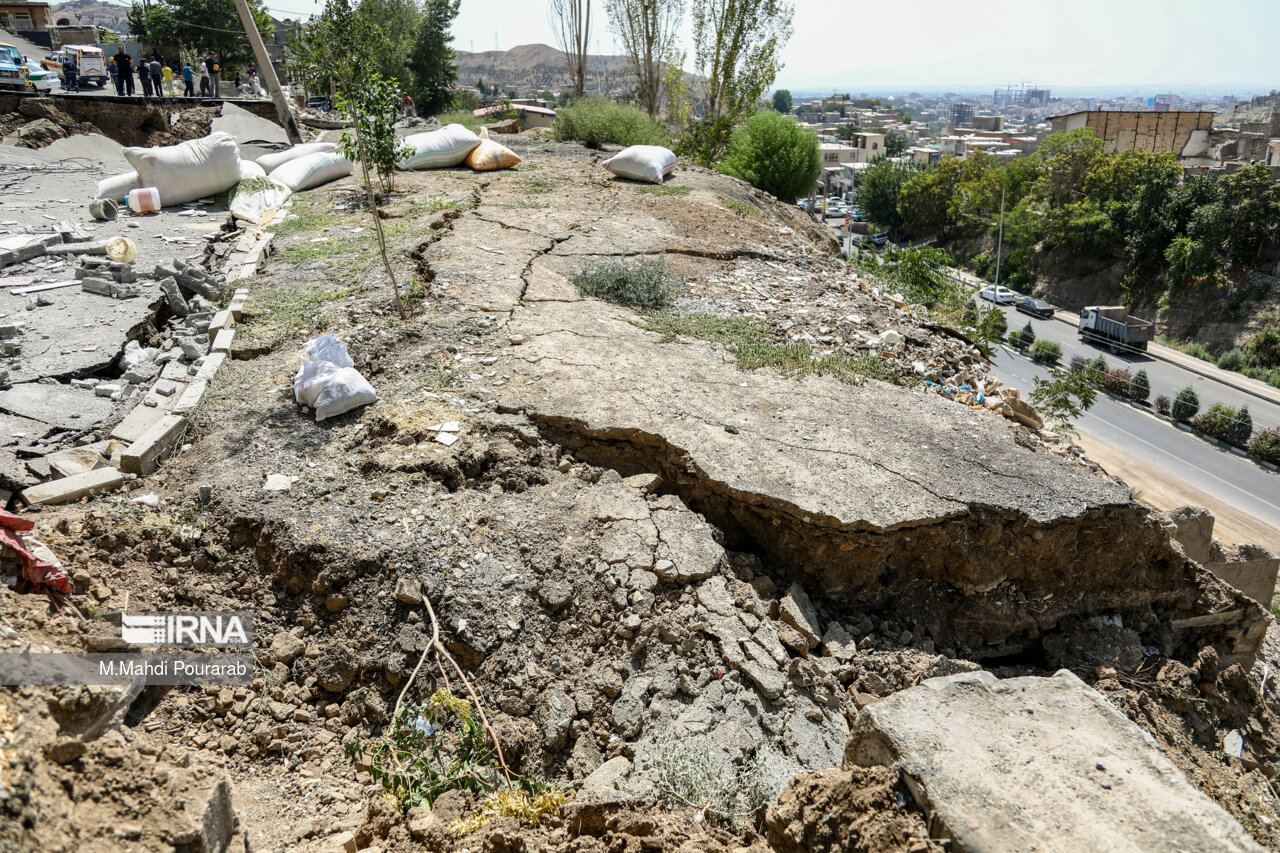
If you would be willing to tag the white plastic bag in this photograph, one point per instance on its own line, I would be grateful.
(271, 162)
(313, 170)
(117, 186)
(649, 163)
(328, 382)
(189, 170)
(438, 149)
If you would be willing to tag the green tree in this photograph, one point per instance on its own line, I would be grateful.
(880, 187)
(198, 25)
(1240, 429)
(1028, 335)
(647, 30)
(894, 143)
(328, 53)
(1140, 387)
(846, 131)
(372, 142)
(782, 101)
(737, 44)
(1067, 157)
(432, 61)
(392, 26)
(1064, 397)
(775, 154)
(1264, 347)
(1186, 405)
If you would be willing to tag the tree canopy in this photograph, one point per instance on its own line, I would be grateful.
(775, 154)
(198, 26)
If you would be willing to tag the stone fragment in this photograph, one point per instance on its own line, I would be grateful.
(409, 590)
(607, 779)
(1013, 765)
(798, 612)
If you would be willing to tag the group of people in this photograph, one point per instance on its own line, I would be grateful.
(158, 78)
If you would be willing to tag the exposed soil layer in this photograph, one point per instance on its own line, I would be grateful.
(607, 588)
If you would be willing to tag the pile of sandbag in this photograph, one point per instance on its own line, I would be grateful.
(648, 163)
(454, 145)
(328, 381)
(180, 173)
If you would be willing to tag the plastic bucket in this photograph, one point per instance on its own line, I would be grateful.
(103, 208)
(121, 249)
(144, 200)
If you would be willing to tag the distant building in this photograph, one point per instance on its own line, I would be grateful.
(961, 115)
(988, 122)
(1132, 130)
(23, 17)
(924, 155)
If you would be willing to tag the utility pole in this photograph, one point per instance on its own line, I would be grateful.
(268, 72)
(999, 240)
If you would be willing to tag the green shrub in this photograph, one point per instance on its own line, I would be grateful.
(1264, 348)
(1140, 387)
(646, 285)
(1200, 351)
(1028, 335)
(1233, 359)
(1266, 446)
(775, 154)
(1079, 364)
(1015, 339)
(1185, 405)
(1226, 423)
(595, 121)
(1117, 381)
(1046, 352)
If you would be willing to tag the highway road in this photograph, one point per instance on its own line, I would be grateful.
(1166, 378)
(1235, 481)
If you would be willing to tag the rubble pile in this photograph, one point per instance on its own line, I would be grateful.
(702, 605)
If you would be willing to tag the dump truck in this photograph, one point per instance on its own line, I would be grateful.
(1113, 326)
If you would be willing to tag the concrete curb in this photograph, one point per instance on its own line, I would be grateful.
(144, 455)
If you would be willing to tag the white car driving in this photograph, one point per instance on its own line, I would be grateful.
(998, 294)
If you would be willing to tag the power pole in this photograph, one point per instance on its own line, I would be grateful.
(268, 72)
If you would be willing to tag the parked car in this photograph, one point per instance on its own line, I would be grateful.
(880, 239)
(13, 73)
(41, 79)
(1034, 307)
(856, 214)
(998, 294)
(319, 102)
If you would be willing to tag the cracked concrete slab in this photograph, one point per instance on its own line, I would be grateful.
(1042, 764)
(57, 405)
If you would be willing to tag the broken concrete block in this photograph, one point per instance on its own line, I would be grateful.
(74, 487)
(221, 320)
(136, 423)
(108, 287)
(164, 436)
(606, 780)
(107, 389)
(191, 349)
(237, 306)
(173, 296)
(209, 368)
(76, 460)
(222, 343)
(190, 399)
(797, 612)
(1036, 763)
(23, 247)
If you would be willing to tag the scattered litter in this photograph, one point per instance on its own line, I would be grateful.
(278, 483)
(41, 571)
(328, 382)
(447, 438)
(150, 499)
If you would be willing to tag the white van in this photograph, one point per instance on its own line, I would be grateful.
(89, 59)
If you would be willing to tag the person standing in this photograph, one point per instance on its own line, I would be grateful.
(167, 71)
(188, 81)
(157, 75)
(211, 65)
(144, 77)
(71, 73)
(407, 108)
(204, 81)
(124, 72)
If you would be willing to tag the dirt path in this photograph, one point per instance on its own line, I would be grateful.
(1164, 491)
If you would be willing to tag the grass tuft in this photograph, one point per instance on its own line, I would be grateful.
(665, 189)
(742, 208)
(645, 285)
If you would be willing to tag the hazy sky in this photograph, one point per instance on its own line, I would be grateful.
(1190, 45)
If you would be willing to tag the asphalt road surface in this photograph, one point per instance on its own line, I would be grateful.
(1235, 481)
(1166, 378)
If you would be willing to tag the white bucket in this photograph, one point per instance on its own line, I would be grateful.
(144, 200)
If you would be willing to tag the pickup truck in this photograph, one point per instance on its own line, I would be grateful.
(1113, 327)
(89, 59)
(13, 71)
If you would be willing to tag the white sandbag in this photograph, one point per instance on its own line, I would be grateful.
(117, 187)
(256, 200)
(328, 382)
(649, 163)
(271, 162)
(250, 169)
(189, 170)
(439, 149)
(313, 170)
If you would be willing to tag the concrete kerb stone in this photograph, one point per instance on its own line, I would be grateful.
(191, 398)
(159, 441)
(222, 342)
(74, 487)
